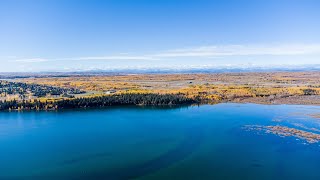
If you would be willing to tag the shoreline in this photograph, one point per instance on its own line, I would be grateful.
(291, 100)
(172, 106)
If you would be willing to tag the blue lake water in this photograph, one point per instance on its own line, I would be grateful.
(194, 142)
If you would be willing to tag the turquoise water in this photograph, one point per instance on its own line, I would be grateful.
(195, 142)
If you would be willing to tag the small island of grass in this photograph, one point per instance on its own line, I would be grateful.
(284, 131)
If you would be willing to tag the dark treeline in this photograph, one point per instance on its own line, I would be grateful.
(99, 101)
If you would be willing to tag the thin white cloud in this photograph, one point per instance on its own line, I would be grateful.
(32, 60)
(202, 52)
(122, 57)
(243, 50)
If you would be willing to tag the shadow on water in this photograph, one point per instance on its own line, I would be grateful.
(103, 108)
(85, 158)
(194, 137)
(192, 140)
(100, 155)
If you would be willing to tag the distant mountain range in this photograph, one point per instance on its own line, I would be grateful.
(164, 70)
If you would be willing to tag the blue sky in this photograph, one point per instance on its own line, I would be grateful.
(66, 35)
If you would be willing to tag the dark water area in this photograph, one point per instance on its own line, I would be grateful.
(189, 142)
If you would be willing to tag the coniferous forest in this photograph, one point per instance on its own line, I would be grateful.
(99, 101)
